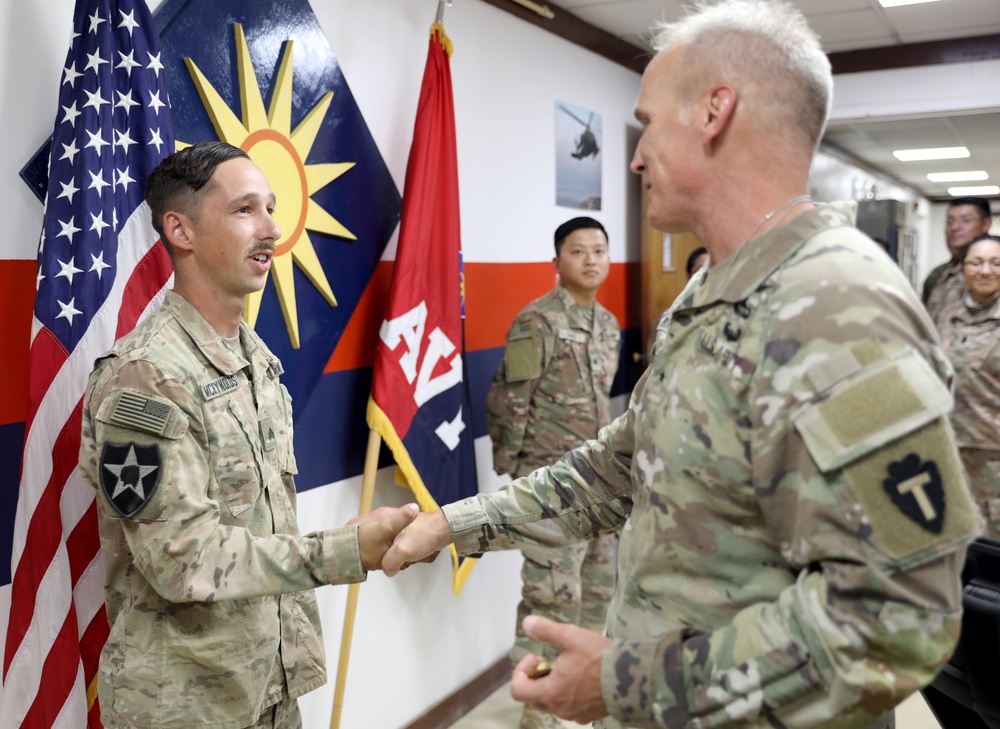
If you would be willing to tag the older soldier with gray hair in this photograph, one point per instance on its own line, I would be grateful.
(187, 437)
(793, 511)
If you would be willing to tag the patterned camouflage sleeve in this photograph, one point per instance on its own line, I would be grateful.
(508, 404)
(585, 494)
(180, 541)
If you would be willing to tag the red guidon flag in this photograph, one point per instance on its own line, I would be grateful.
(419, 402)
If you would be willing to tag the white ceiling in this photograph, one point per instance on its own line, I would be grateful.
(846, 25)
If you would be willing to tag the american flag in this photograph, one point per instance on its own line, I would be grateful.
(99, 271)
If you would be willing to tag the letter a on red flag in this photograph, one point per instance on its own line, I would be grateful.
(419, 402)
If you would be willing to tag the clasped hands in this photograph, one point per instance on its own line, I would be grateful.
(393, 539)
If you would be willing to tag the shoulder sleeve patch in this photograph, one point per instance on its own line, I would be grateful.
(523, 354)
(915, 495)
(130, 475)
(886, 425)
(134, 410)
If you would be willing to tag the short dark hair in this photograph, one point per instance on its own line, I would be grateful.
(980, 239)
(174, 182)
(695, 255)
(978, 202)
(581, 223)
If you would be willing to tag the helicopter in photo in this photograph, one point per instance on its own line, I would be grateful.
(586, 143)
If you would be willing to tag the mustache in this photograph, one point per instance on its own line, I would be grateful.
(267, 248)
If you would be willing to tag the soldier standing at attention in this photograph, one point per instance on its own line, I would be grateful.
(549, 395)
(792, 507)
(968, 219)
(187, 437)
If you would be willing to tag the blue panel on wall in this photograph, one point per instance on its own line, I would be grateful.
(11, 442)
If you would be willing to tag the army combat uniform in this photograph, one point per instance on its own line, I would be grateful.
(944, 286)
(970, 335)
(187, 438)
(549, 395)
(792, 507)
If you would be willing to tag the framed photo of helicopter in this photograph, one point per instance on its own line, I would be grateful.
(578, 157)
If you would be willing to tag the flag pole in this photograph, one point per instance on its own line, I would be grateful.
(367, 492)
(439, 18)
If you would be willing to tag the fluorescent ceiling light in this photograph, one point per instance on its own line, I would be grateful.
(897, 3)
(967, 176)
(980, 190)
(914, 155)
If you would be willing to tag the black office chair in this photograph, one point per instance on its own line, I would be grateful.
(966, 694)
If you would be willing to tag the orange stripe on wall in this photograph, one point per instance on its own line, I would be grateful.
(356, 347)
(17, 296)
(494, 292)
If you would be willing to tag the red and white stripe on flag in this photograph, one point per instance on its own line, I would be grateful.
(100, 271)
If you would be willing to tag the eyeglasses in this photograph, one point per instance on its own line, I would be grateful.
(975, 264)
(964, 220)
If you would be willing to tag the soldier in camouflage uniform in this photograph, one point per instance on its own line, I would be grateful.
(187, 437)
(970, 335)
(549, 395)
(968, 218)
(793, 512)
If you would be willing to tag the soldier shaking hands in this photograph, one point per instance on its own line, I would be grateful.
(792, 509)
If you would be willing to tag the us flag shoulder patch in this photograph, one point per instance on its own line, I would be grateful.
(138, 412)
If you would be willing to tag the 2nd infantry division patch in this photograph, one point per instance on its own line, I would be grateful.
(130, 474)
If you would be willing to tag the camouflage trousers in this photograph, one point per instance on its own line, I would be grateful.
(282, 715)
(571, 584)
(982, 466)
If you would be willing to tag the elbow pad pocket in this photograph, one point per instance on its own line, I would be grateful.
(914, 644)
(884, 424)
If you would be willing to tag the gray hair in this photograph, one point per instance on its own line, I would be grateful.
(768, 46)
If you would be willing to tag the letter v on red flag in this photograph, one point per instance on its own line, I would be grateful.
(419, 402)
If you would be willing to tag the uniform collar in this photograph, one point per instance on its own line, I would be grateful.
(206, 339)
(978, 312)
(577, 313)
(762, 256)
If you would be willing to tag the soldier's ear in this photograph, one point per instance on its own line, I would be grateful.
(177, 230)
(720, 104)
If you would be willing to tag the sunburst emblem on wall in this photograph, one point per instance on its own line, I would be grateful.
(267, 136)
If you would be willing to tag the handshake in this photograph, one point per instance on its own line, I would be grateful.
(392, 539)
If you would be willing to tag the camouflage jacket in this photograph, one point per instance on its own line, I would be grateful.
(792, 508)
(208, 580)
(971, 337)
(943, 286)
(550, 392)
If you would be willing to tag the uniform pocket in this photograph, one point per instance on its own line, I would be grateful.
(234, 442)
